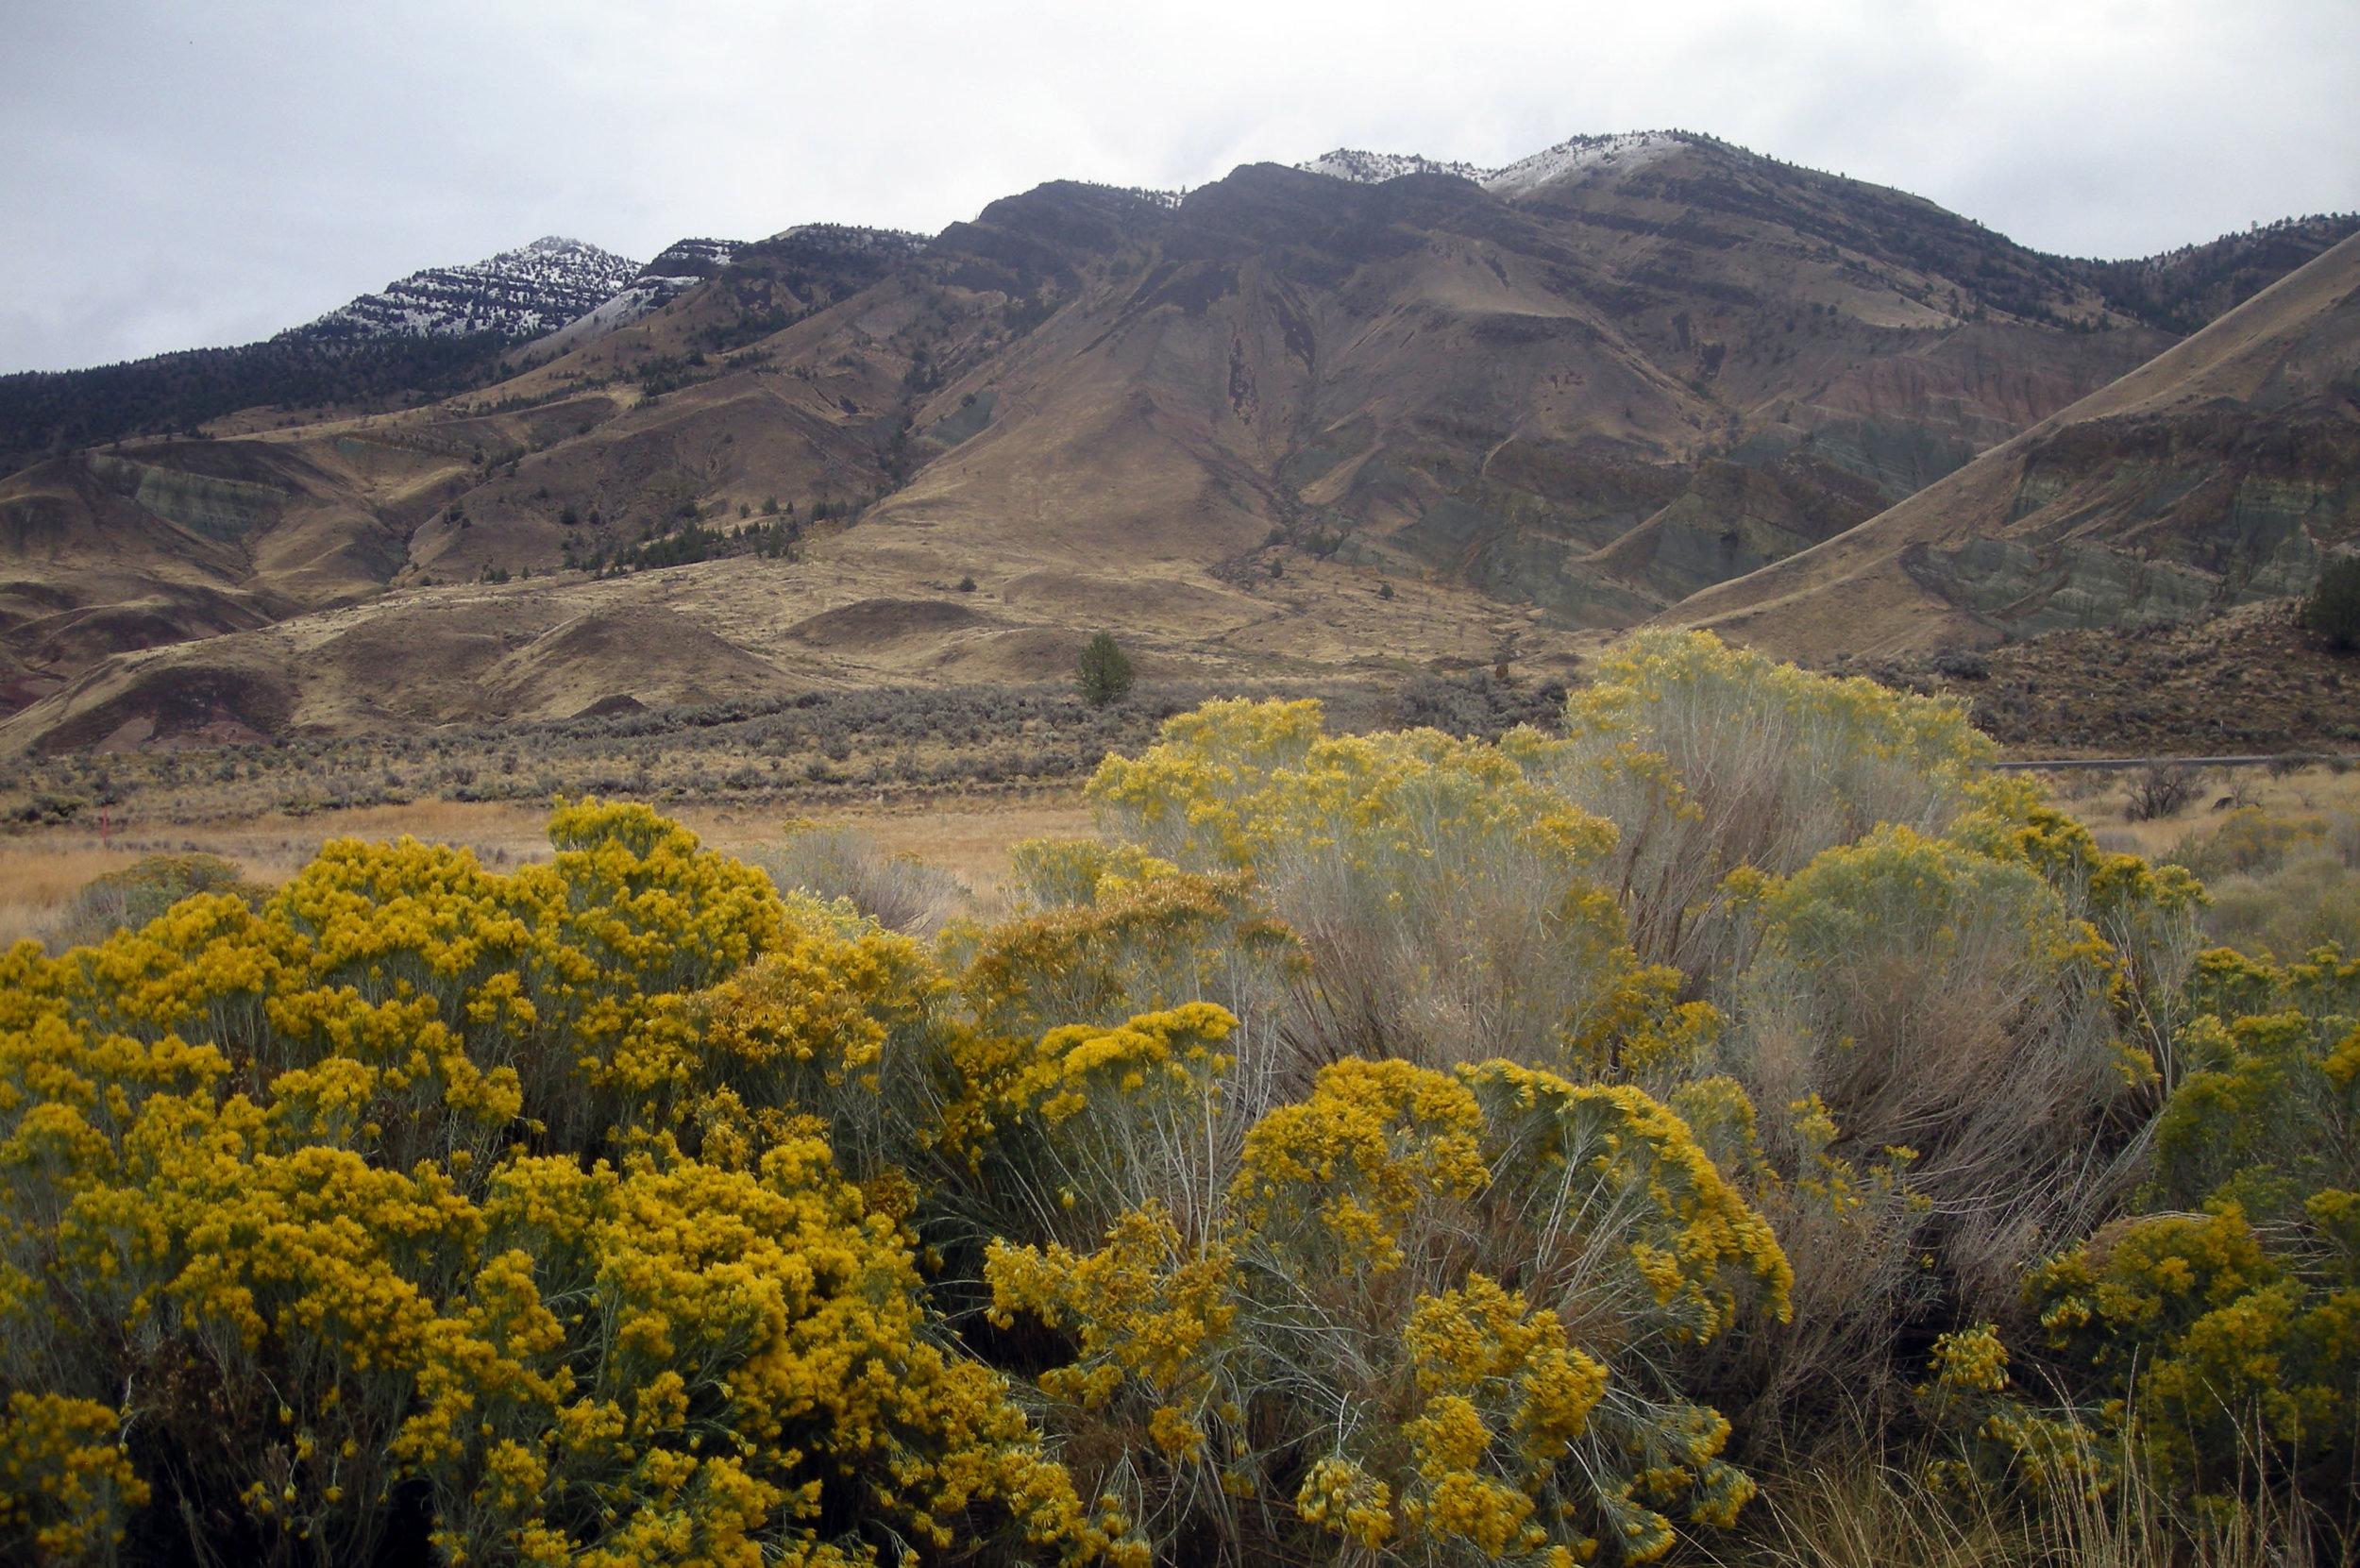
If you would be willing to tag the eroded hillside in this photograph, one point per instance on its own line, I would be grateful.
(1225, 426)
(2218, 475)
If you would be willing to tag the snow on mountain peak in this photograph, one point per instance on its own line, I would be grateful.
(1631, 150)
(1375, 168)
(696, 259)
(518, 294)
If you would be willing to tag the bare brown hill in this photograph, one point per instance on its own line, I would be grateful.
(550, 648)
(1425, 377)
(103, 553)
(1216, 426)
(2215, 475)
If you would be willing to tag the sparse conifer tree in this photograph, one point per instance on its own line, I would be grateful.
(1104, 671)
(2333, 608)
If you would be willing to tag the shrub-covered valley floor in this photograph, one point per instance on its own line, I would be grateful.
(1719, 1119)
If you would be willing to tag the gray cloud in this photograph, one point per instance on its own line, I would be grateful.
(187, 171)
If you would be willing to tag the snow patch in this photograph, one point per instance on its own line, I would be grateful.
(697, 258)
(1375, 168)
(1168, 199)
(644, 297)
(841, 240)
(1631, 150)
(688, 262)
(517, 293)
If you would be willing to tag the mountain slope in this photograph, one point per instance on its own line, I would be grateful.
(683, 265)
(1420, 377)
(102, 553)
(2182, 290)
(438, 330)
(516, 294)
(1539, 402)
(2214, 475)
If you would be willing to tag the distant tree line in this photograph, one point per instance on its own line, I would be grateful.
(684, 546)
(2185, 289)
(48, 412)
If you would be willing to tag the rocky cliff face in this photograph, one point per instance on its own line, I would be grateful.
(2143, 519)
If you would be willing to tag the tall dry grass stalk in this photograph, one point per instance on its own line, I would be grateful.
(1849, 1512)
(898, 891)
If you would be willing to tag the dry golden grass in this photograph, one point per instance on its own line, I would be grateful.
(40, 871)
(1847, 1512)
(34, 882)
(971, 845)
(2101, 801)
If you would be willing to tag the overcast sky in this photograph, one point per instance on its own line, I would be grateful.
(192, 172)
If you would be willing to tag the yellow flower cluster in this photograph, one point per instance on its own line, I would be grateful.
(1970, 1359)
(1438, 886)
(1137, 944)
(1236, 783)
(1162, 942)
(1382, 1176)
(2218, 1341)
(1716, 761)
(1648, 678)
(1897, 889)
(1059, 872)
(766, 1349)
(1690, 1233)
(1341, 1497)
(1079, 1059)
(840, 1024)
(1478, 1353)
(2229, 1338)
(1375, 1141)
(65, 1481)
(338, 1162)
(1148, 1309)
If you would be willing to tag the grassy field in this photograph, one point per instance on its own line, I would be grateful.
(2105, 802)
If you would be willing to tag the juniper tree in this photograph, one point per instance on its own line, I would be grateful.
(2333, 608)
(1102, 674)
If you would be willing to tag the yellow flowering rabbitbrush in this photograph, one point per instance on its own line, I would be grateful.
(383, 1186)
(1713, 760)
(1339, 1280)
(1441, 893)
(1355, 1157)
(66, 1485)
(2227, 1341)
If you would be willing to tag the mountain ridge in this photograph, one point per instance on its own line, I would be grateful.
(466, 323)
(1221, 422)
(1631, 149)
(523, 292)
